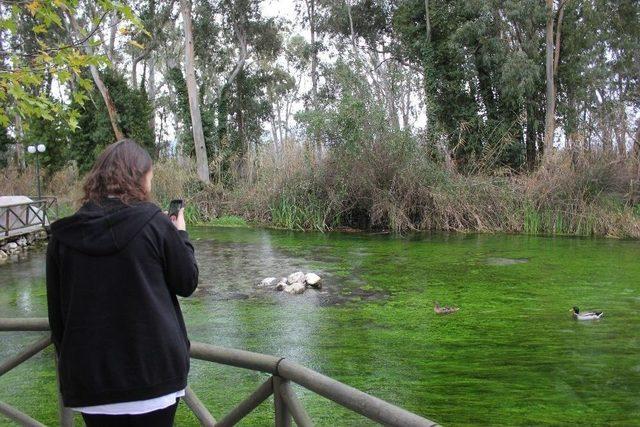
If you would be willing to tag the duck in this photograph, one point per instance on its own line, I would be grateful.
(444, 310)
(589, 315)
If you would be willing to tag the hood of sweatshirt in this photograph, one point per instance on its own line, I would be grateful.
(103, 229)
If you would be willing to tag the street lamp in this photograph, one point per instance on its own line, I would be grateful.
(36, 149)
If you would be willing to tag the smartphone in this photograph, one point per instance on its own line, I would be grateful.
(175, 206)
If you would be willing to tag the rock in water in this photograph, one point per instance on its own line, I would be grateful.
(313, 280)
(296, 277)
(296, 288)
(269, 281)
(10, 246)
(3, 255)
(280, 286)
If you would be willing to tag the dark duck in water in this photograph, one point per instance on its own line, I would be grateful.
(443, 310)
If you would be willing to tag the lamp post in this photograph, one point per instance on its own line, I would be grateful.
(37, 149)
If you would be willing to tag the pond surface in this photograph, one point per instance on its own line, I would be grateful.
(512, 355)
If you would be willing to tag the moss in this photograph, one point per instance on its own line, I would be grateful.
(228, 221)
(511, 356)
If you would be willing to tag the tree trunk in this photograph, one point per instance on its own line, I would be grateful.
(311, 13)
(274, 132)
(18, 148)
(112, 36)
(389, 92)
(151, 93)
(607, 140)
(241, 37)
(427, 20)
(202, 164)
(636, 145)
(280, 126)
(427, 85)
(111, 107)
(530, 140)
(134, 71)
(549, 122)
(621, 132)
(352, 31)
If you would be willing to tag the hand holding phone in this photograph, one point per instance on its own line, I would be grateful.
(176, 214)
(174, 208)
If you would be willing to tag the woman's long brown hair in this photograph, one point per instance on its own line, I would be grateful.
(118, 172)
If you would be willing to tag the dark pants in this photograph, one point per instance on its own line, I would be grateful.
(160, 418)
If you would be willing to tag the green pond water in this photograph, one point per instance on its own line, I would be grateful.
(511, 356)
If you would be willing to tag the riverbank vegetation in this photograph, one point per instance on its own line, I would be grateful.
(415, 115)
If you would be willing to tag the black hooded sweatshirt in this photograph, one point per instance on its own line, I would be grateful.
(113, 273)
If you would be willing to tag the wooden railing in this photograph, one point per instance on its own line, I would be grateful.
(28, 215)
(283, 373)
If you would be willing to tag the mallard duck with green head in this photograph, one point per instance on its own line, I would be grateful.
(589, 315)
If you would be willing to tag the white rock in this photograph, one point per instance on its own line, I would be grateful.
(3, 255)
(269, 281)
(10, 246)
(312, 279)
(21, 241)
(296, 288)
(296, 277)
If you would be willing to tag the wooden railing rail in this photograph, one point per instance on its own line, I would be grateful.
(287, 406)
(22, 216)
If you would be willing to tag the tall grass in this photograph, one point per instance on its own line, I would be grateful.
(401, 186)
(287, 212)
(392, 183)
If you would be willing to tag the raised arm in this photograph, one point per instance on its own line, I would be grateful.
(180, 267)
(54, 302)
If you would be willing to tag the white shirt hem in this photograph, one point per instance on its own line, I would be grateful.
(135, 407)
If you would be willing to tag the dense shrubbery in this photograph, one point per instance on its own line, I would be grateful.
(403, 189)
(372, 176)
(399, 189)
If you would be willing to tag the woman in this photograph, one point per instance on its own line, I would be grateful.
(114, 269)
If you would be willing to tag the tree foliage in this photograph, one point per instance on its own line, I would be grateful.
(38, 51)
(94, 127)
(467, 79)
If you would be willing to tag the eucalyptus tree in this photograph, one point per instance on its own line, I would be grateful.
(202, 163)
(555, 14)
(599, 76)
(284, 86)
(481, 64)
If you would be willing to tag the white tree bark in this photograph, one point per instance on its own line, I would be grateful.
(311, 14)
(151, 93)
(241, 36)
(202, 164)
(552, 61)
(111, 107)
(112, 36)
